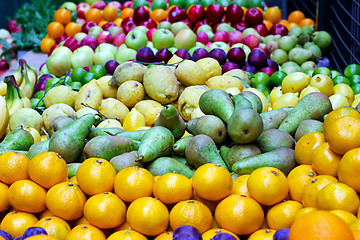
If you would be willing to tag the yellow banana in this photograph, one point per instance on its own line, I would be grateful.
(3, 89)
(12, 98)
(25, 100)
(26, 85)
(32, 74)
(4, 116)
(18, 75)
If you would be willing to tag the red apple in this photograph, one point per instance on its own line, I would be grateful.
(177, 14)
(221, 36)
(214, 13)
(104, 37)
(11, 26)
(119, 39)
(188, 23)
(236, 37)
(150, 33)
(90, 41)
(215, 26)
(234, 13)
(125, 20)
(240, 26)
(129, 25)
(202, 37)
(141, 14)
(149, 24)
(115, 4)
(86, 26)
(278, 29)
(252, 41)
(253, 17)
(268, 70)
(261, 29)
(80, 21)
(108, 25)
(60, 39)
(99, 5)
(70, 41)
(52, 49)
(81, 9)
(196, 13)
(4, 64)
(128, 4)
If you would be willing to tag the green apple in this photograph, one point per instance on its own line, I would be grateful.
(102, 57)
(142, 28)
(95, 30)
(80, 36)
(136, 39)
(226, 27)
(164, 24)
(106, 47)
(178, 26)
(124, 55)
(62, 49)
(157, 4)
(81, 59)
(179, 3)
(186, 38)
(85, 48)
(205, 28)
(69, 6)
(222, 45)
(58, 63)
(163, 38)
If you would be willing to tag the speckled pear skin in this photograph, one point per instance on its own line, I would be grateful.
(273, 118)
(313, 106)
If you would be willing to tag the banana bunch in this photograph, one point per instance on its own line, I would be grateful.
(2, 88)
(26, 78)
(15, 98)
(4, 116)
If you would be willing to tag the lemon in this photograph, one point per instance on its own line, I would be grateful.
(356, 100)
(238, 73)
(60, 94)
(109, 123)
(324, 83)
(113, 108)
(275, 93)
(224, 82)
(262, 97)
(130, 93)
(34, 133)
(338, 100)
(190, 73)
(133, 120)
(307, 90)
(150, 109)
(189, 100)
(286, 100)
(295, 82)
(106, 89)
(211, 67)
(174, 59)
(161, 84)
(345, 90)
(233, 90)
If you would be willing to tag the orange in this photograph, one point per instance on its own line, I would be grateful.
(46, 213)
(312, 189)
(54, 226)
(337, 196)
(27, 196)
(48, 169)
(343, 134)
(126, 235)
(296, 16)
(13, 167)
(305, 146)
(85, 232)
(355, 225)
(72, 28)
(16, 222)
(46, 44)
(356, 234)
(193, 213)
(66, 200)
(268, 24)
(298, 178)
(209, 234)
(320, 225)
(42, 237)
(244, 10)
(105, 210)
(55, 30)
(306, 22)
(210, 204)
(96, 175)
(132, 183)
(4, 203)
(165, 236)
(73, 180)
(240, 185)
(124, 226)
(239, 214)
(344, 215)
(148, 216)
(268, 185)
(126, 12)
(172, 188)
(282, 214)
(263, 234)
(110, 13)
(102, 23)
(158, 15)
(349, 167)
(324, 160)
(212, 182)
(291, 25)
(284, 22)
(94, 14)
(273, 14)
(338, 113)
(62, 16)
(303, 211)
(118, 22)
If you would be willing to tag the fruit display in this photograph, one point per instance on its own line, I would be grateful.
(180, 120)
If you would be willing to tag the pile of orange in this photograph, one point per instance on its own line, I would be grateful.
(101, 203)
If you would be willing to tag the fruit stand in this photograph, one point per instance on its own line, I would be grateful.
(180, 119)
